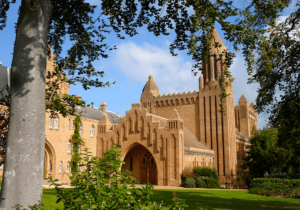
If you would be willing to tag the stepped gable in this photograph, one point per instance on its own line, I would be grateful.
(151, 86)
(97, 114)
(243, 99)
(191, 141)
(217, 39)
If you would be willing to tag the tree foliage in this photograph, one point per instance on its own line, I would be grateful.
(264, 154)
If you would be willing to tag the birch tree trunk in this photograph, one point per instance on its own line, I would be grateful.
(24, 161)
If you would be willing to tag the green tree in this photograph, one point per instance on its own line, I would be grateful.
(264, 155)
(277, 70)
(44, 22)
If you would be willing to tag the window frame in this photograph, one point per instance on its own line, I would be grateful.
(50, 122)
(56, 121)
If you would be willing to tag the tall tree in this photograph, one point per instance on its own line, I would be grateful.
(43, 22)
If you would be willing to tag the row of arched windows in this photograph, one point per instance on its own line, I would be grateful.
(175, 102)
(80, 167)
(92, 129)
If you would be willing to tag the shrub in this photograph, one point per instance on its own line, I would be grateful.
(102, 185)
(205, 171)
(187, 174)
(200, 182)
(272, 186)
(211, 182)
(190, 182)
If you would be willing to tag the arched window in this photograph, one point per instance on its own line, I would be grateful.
(69, 124)
(50, 166)
(4, 114)
(69, 147)
(60, 166)
(92, 130)
(56, 123)
(50, 122)
(78, 148)
(68, 166)
(80, 129)
(81, 167)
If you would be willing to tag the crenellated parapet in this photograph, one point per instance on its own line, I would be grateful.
(176, 99)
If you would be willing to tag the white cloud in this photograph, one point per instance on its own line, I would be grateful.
(171, 74)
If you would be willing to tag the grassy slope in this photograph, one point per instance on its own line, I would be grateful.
(211, 199)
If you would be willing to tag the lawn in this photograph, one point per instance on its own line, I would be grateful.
(210, 199)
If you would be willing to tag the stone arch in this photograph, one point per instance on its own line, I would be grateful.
(50, 157)
(176, 102)
(166, 102)
(141, 162)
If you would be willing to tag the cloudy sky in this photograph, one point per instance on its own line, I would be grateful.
(131, 64)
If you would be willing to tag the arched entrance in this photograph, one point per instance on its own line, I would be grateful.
(49, 161)
(141, 163)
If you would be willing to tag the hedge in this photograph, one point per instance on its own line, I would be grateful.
(277, 185)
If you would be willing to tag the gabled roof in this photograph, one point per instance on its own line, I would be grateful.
(96, 114)
(191, 141)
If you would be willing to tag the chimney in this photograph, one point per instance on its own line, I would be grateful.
(78, 97)
(103, 107)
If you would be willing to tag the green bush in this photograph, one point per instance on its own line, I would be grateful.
(211, 182)
(205, 171)
(102, 185)
(200, 182)
(273, 186)
(190, 183)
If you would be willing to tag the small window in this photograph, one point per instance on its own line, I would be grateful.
(50, 122)
(78, 148)
(60, 166)
(69, 147)
(131, 163)
(92, 130)
(73, 125)
(2, 137)
(4, 114)
(78, 166)
(1, 166)
(80, 129)
(81, 167)
(69, 124)
(56, 123)
(50, 166)
(68, 166)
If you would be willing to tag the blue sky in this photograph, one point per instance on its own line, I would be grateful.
(131, 64)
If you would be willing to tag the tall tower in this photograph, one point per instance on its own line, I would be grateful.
(217, 131)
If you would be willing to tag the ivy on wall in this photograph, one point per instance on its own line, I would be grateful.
(76, 141)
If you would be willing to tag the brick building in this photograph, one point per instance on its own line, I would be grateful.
(163, 134)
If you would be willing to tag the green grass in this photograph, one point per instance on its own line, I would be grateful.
(210, 199)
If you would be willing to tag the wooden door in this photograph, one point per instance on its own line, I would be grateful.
(152, 175)
(143, 175)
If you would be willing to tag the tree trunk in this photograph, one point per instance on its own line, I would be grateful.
(24, 161)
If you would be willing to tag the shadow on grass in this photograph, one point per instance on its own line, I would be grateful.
(226, 200)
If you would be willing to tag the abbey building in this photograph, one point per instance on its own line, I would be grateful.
(162, 135)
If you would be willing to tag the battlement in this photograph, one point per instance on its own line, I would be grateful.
(176, 99)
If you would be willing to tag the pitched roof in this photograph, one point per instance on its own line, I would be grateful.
(96, 114)
(191, 141)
